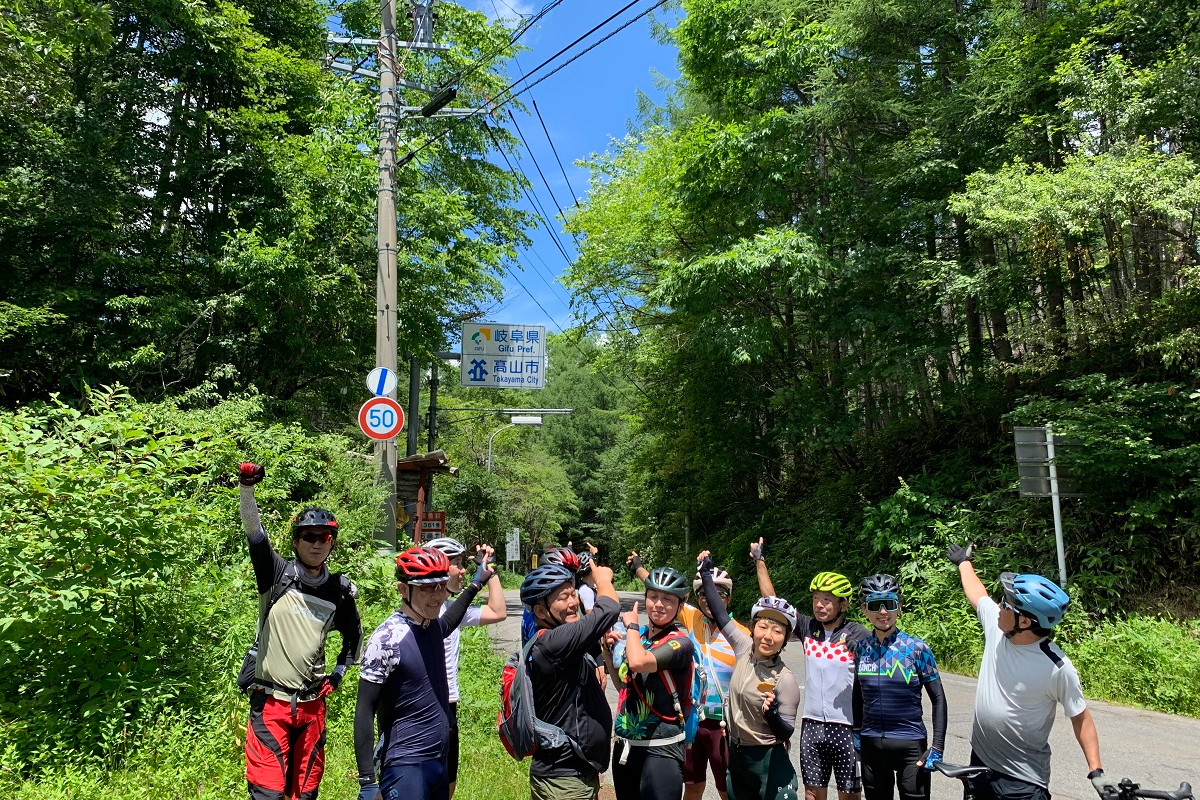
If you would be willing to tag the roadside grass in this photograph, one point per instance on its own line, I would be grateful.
(201, 759)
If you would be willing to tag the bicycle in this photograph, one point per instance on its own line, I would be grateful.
(1125, 790)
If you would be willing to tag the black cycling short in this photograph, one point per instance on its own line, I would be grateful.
(888, 764)
(997, 786)
(647, 774)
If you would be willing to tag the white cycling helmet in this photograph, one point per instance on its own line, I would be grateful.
(720, 578)
(451, 547)
(776, 608)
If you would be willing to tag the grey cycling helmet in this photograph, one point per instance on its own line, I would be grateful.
(669, 580)
(585, 563)
(451, 547)
(879, 584)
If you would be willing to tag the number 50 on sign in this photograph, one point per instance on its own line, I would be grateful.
(381, 418)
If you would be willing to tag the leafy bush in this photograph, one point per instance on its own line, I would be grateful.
(125, 591)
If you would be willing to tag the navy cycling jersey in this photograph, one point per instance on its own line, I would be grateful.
(410, 662)
(891, 674)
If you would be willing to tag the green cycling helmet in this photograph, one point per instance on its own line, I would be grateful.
(669, 580)
(833, 582)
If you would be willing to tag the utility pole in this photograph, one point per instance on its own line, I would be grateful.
(390, 113)
(385, 225)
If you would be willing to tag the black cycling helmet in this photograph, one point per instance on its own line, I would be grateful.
(878, 584)
(314, 518)
(669, 580)
(539, 583)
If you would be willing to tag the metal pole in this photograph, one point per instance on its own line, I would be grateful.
(414, 404)
(492, 438)
(1058, 530)
(433, 389)
(385, 284)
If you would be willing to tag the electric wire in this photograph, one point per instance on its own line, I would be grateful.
(554, 150)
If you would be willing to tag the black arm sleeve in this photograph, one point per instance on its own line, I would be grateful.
(571, 641)
(782, 729)
(364, 728)
(937, 695)
(457, 610)
(857, 704)
(716, 605)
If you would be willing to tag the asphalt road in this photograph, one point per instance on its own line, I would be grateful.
(1157, 750)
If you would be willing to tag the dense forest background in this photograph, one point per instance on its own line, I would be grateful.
(819, 286)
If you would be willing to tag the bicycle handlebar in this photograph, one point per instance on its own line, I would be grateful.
(1127, 790)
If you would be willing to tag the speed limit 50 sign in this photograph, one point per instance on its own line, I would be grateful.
(381, 418)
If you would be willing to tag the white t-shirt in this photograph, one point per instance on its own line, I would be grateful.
(454, 645)
(1015, 700)
(587, 597)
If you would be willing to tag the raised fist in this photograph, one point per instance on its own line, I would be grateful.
(250, 473)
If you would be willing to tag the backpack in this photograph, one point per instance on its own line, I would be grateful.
(520, 731)
(687, 715)
(290, 578)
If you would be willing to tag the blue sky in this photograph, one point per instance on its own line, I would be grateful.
(584, 106)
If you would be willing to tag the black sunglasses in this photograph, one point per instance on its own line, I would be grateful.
(884, 604)
(316, 538)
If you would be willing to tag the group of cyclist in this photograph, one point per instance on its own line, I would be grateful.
(859, 713)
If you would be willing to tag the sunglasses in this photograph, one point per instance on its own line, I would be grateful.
(883, 604)
(316, 538)
(1005, 604)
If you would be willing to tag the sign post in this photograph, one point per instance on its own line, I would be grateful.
(1041, 476)
(512, 553)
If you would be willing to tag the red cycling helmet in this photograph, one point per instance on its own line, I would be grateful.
(562, 556)
(422, 565)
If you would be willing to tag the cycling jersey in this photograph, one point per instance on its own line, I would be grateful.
(291, 640)
(403, 684)
(829, 668)
(646, 707)
(454, 646)
(714, 654)
(891, 674)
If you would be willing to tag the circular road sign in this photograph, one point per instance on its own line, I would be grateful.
(381, 381)
(381, 418)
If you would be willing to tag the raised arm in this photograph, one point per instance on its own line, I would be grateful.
(496, 609)
(973, 588)
(458, 609)
(634, 562)
(765, 587)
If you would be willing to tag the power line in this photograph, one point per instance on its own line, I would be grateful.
(554, 150)
(492, 105)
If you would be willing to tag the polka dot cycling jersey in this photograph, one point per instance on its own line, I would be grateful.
(829, 667)
(891, 674)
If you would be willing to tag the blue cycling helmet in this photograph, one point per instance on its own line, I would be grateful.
(669, 580)
(1038, 598)
(539, 583)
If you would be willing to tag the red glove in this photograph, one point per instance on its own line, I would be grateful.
(250, 473)
(326, 689)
